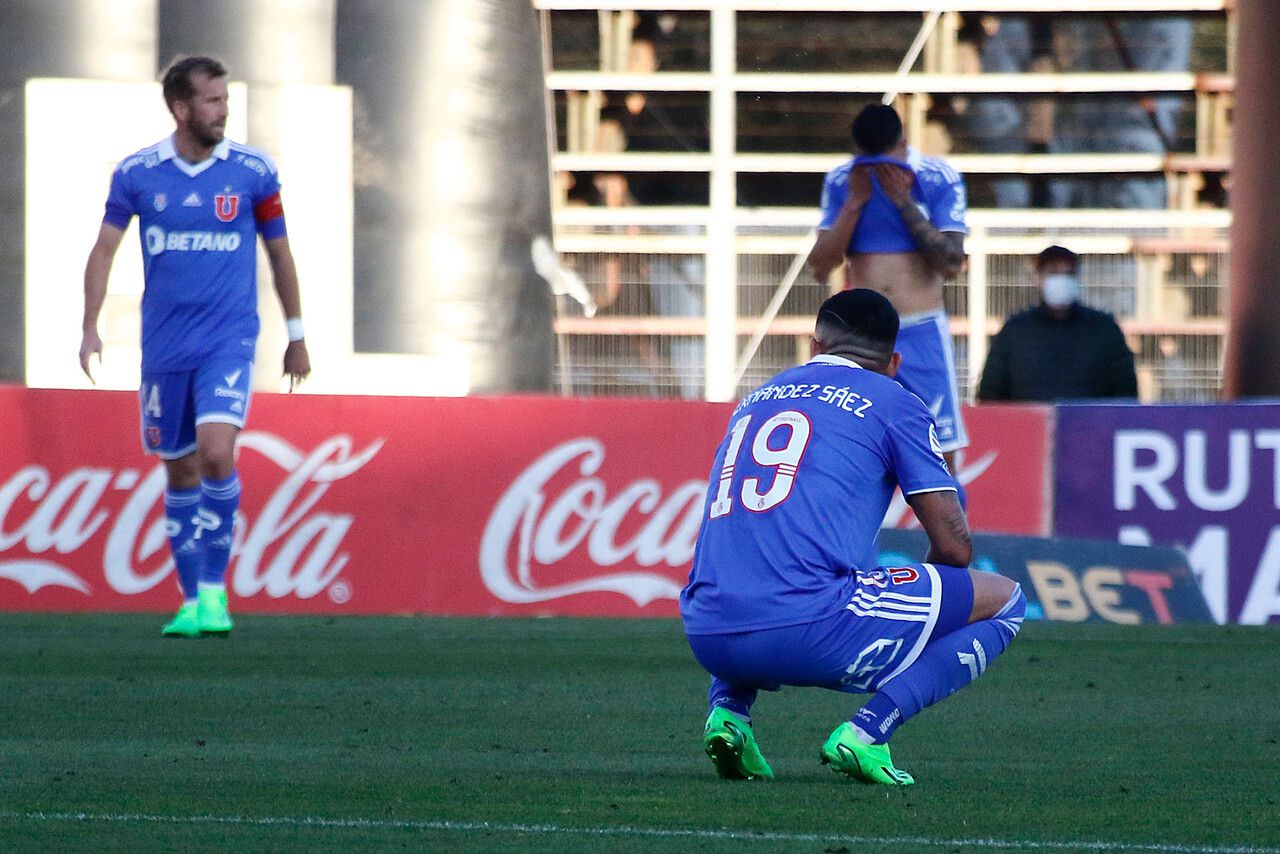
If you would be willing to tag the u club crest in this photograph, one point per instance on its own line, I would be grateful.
(226, 206)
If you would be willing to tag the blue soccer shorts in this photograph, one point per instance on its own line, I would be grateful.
(893, 613)
(929, 372)
(174, 402)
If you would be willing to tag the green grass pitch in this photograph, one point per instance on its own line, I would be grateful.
(352, 734)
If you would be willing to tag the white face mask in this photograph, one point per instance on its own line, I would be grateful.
(1061, 290)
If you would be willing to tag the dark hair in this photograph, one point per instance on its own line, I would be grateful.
(1057, 253)
(860, 323)
(876, 129)
(584, 190)
(177, 79)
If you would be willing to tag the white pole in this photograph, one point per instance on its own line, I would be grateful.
(722, 262)
(977, 250)
(913, 53)
(549, 109)
(775, 305)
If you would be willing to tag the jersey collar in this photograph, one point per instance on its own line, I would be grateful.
(168, 151)
(914, 159)
(824, 359)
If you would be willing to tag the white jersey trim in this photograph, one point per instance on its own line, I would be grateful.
(935, 607)
(933, 489)
(918, 317)
(824, 359)
(166, 150)
(172, 455)
(249, 151)
(220, 418)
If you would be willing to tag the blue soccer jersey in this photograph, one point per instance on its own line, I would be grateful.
(939, 192)
(798, 491)
(198, 225)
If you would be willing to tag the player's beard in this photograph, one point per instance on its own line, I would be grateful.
(206, 134)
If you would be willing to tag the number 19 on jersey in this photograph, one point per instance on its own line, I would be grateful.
(784, 459)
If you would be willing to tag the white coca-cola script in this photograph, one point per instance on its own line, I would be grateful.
(292, 548)
(529, 528)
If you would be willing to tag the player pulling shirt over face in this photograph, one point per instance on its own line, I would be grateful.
(896, 219)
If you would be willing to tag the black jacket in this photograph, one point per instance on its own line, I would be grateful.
(1038, 356)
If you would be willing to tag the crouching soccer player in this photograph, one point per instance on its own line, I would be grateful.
(785, 589)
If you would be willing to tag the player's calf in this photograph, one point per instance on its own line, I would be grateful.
(946, 665)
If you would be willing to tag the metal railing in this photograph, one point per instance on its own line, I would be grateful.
(1162, 273)
(708, 301)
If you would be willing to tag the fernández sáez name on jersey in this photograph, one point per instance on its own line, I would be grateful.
(781, 538)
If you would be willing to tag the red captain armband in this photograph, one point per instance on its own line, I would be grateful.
(268, 209)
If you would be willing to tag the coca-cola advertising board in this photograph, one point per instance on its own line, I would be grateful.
(366, 505)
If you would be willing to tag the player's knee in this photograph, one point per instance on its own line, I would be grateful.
(217, 462)
(183, 473)
(991, 593)
(1014, 609)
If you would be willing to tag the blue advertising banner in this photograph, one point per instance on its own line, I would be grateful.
(1205, 479)
(1078, 581)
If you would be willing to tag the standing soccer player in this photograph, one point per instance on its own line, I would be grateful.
(785, 587)
(897, 218)
(201, 200)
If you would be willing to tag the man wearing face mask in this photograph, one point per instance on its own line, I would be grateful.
(1060, 349)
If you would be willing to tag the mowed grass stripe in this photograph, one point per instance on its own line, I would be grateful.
(640, 832)
(1134, 736)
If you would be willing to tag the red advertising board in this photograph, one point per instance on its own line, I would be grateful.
(1005, 471)
(363, 505)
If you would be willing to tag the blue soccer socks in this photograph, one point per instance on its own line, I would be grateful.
(877, 719)
(946, 665)
(734, 699)
(219, 500)
(181, 509)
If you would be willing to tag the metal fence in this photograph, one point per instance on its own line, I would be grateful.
(1163, 274)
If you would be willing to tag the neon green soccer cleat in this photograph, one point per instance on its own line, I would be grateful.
(185, 624)
(214, 618)
(870, 763)
(731, 744)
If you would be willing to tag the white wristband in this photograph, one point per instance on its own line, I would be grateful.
(294, 327)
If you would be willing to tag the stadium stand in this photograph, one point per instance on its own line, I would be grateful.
(722, 119)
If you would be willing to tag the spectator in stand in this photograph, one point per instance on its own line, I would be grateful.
(676, 282)
(1060, 349)
(1177, 376)
(1111, 125)
(1003, 124)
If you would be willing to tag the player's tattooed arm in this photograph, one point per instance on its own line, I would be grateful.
(943, 519)
(943, 249)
